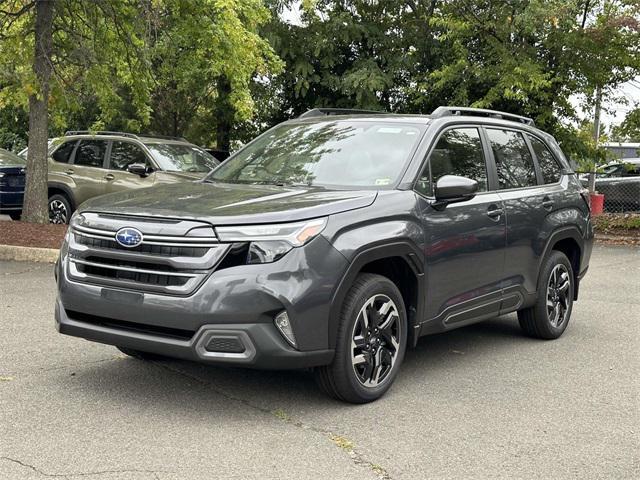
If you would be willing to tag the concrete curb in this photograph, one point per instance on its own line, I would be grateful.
(601, 237)
(28, 254)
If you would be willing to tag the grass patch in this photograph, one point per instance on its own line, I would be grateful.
(616, 221)
(342, 442)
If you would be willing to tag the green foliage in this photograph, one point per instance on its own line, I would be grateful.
(140, 65)
(629, 129)
(196, 44)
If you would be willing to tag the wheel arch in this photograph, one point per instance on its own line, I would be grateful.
(401, 263)
(569, 241)
(54, 188)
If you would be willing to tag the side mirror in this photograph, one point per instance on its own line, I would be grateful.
(139, 169)
(452, 188)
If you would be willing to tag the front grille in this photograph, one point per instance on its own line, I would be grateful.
(132, 276)
(163, 250)
(16, 181)
(174, 264)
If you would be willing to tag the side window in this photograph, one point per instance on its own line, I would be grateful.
(124, 154)
(513, 159)
(90, 153)
(547, 162)
(458, 152)
(64, 151)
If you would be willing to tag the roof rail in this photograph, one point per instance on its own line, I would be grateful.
(321, 112)
(480, 112)
(162, 137)
(102, 132)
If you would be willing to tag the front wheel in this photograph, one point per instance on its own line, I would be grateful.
(59, 209)
(372, 338)
(549, 317)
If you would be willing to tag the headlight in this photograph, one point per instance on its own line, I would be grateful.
(76, 219)
(269, 243)
(295, 234)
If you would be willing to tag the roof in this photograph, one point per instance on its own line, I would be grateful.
(621, 144)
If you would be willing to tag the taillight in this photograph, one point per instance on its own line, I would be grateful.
(584, 193)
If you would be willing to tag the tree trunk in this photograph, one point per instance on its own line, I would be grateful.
(35, 197)
(596, 137)
(224, 115)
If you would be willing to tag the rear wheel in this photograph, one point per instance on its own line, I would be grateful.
(549, 317)
(371, 343)
(59, 209)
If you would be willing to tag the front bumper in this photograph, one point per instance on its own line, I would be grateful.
(263, 345)
(237, 303)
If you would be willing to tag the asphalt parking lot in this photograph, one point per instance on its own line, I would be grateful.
(480, 402)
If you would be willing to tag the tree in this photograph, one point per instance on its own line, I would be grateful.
(53, 52)
(108, 64)
(204, 55)
(629, 129)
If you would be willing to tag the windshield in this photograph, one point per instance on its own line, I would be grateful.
(175, 157)
(340, 153)
(8, 158)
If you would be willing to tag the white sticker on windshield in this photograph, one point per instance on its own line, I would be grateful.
(383, 181)
(390, 129)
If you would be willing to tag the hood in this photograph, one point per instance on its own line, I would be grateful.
(174, 177)
(230, 204)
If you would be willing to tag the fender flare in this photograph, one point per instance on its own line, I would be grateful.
(404, 249)
(66, 190)
(563, 233)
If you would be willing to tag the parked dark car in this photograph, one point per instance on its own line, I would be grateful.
(619, 182)
(12, 182)
(334, 242)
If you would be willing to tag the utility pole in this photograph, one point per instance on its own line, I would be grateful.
(596, 136)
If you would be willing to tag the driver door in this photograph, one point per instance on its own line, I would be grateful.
(121, 155)
(464, 241)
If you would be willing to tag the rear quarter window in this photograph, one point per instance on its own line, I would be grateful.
(64, 151)
(549, 166)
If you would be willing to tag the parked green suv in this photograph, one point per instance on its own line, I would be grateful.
(83, 165)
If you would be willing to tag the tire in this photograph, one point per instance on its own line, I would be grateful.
(59, 209)
(138, 354)
(365, 372)
(549, 317)
(15, 215)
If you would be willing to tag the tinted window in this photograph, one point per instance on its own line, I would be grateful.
(63, 153)
(546, 161)
(513, 159)
(124, 154)
(458, 152)
(90, 153)
(330, 153)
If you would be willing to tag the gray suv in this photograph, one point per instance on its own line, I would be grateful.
(333, 242)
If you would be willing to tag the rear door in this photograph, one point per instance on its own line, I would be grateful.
(528, 205)
(88, 169)
(123, 153)
(465, 241)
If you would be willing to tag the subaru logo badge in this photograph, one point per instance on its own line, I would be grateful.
(129, 237)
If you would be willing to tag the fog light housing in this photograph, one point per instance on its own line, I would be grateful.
(284, 325)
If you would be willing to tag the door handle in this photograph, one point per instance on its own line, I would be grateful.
(547, 203)
(494, 212)
(109, 177)
(70, 171)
